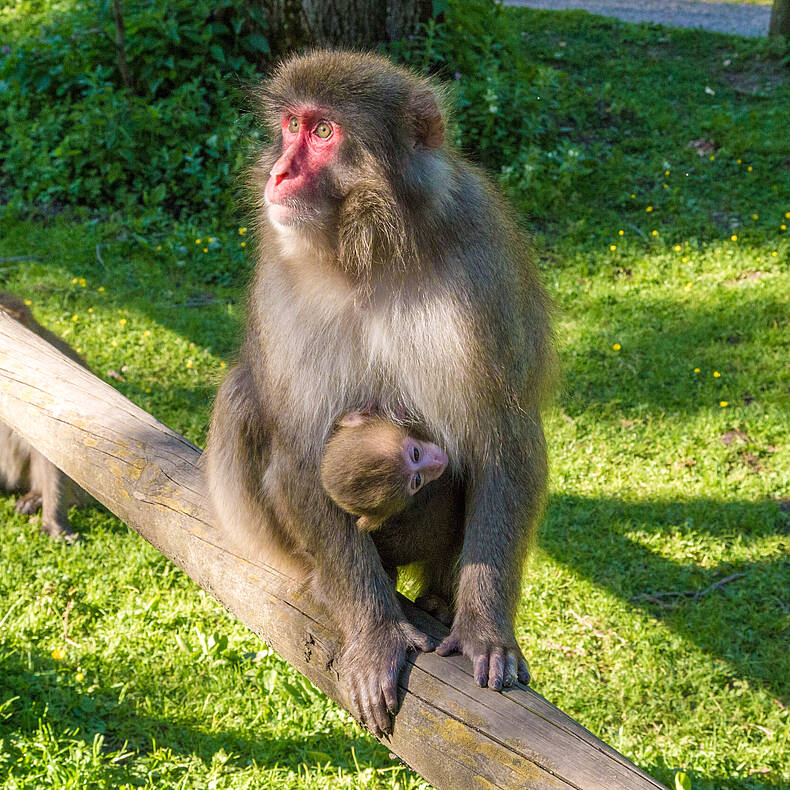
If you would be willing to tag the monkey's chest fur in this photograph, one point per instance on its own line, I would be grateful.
(329, 350)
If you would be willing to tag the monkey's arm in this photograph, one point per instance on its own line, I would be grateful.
(349, 580)
(504, 499)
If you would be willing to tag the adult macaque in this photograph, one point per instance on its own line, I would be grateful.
(373, 467)
(388, 271)
(22, 467)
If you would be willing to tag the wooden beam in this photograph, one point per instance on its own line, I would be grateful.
(450, 731)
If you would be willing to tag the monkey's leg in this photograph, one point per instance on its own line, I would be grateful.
(46, 478)
(14, 460)
(502, 506)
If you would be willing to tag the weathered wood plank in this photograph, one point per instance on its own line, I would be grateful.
(453, 733)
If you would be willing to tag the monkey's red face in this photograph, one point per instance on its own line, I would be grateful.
(425, 462)
(294, 190)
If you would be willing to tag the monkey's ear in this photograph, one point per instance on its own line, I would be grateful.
(369, 523)
(353, 419)
(427, 119)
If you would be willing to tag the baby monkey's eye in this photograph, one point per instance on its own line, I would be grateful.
(293, 125)
(415, 454)
(417, 482)
(323, 130)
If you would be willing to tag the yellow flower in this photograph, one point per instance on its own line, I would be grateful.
(649, 209)
(101, 288)
(74, 281)
(147, 390)
(712, 158)
(197, 241)
(616, 346)
(677, 248)
(189, 363)
(79, 677)
(620, 232)
(210, 239)
(787, 214)
(83, 282)
(755, 216)
(716, 374)
(733, 237)
(205, 249)
(90, 309)
(654, 233)
(774, 254)
(687, 286)
(222, 364)
(244, 244)
(612, 247)
(28, 302)
(783, 226)
(750, 168)
(696, 370)
(684, 259)
(147, 332)
(666, 172)
(723, 404)
(158, 247)
(739, 161)
(75, 318)
(633, 195)
(666, 186)
(122, 322)
(242, 231)
(58, 654)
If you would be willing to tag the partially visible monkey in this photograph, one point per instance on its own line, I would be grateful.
(24, 468)
(373, 467)
(388, 270)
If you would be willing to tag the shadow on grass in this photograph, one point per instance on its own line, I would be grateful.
(663, 341)
(739, 622)
(45, 691)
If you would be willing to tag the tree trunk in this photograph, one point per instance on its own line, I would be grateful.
(362, 24)
(780, 18)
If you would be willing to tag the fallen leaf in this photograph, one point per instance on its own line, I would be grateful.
(729, 437)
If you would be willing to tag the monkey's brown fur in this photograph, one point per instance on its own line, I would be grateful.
(410, 285)
(22, 467)
(362, 471)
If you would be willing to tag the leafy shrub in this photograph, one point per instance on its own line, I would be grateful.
(71, 134)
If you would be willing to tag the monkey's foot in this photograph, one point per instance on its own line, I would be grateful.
(58, 531)
(29, 504)
(437, 607)
(497, 663)
(371, 664)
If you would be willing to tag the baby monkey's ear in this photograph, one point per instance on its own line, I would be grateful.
(369, 523)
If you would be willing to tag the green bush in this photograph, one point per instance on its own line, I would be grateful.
(71, 134)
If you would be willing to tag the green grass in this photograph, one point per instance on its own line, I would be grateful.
(648, 498)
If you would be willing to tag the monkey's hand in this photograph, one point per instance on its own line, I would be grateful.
(496, 658)
(371, 664)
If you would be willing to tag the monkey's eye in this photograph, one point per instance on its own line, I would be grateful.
(293, 125)
(417, 482)
(323, 130)
(415, 453)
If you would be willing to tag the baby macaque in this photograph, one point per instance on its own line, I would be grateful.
(22, 467)
(372, 467)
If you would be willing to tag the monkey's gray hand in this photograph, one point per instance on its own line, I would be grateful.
(496, 658)
(372, 663)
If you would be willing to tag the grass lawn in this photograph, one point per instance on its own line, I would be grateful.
(656, 608)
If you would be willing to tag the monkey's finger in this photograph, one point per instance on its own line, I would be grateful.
(449, 646)
(389, 687)
(511, 669)
(496, 671)
(481, 670)
(368, 716)
(378, 708)
(418, 639)
(523, 672)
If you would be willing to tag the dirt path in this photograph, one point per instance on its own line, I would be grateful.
(739, 18)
